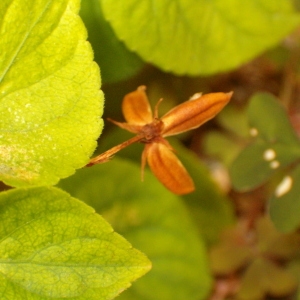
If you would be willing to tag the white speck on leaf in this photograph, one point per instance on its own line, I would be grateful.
(274, 164)
(253, 131)
(269, 154)
(284, 186)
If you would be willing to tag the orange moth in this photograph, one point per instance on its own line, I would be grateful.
(152, 130)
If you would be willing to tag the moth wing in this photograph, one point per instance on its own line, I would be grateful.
(136, 108)
(168, 168)
(193, 113)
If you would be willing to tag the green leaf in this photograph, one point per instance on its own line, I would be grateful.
(285, 203)
(197, 36)
(226, 145)
(269, 118)
(153, 220)
(217, 144)
(253, 166)
(275, 146)
(234, 120)
(115, 60)
(54, 246)
(211, 210)
(49, 89)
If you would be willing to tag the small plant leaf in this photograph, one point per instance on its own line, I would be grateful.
(153, 220)
(267, 278)
(220, 146)
(275, 145)
(49, 88)
(115, 60)
(252, 167)
(268, 116)
(197, 36)
(228, 258)
(234, 120)
(285, 202)
(225, 145)
(273, 243)
(54, 246)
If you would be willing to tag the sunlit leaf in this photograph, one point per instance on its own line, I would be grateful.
(50, 105)
(54, 246)
(155, 221)
(198, 36)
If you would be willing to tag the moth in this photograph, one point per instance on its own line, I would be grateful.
(152, 130)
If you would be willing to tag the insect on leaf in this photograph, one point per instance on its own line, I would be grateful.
(151, 130)
(168, 168)
(136, 108)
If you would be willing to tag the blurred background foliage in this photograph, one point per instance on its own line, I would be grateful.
(236, 236)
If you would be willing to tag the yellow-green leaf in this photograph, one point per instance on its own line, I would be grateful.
(199, 36)
(50, 102)
(56, 247)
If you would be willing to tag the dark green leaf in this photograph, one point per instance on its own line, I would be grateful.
(285, 203)
(220, 146)
(257, 162)
(275, 146)
(269, 118)
(234, 120)
(115, 60)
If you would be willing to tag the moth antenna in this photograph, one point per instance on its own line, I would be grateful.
(156, 108)
(107, 155)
